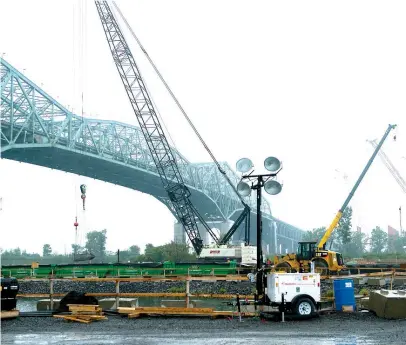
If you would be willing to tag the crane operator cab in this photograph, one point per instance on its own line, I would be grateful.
(323, 259)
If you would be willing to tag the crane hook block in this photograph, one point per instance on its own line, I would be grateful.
(83, 196)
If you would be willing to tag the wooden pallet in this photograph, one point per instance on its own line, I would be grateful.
(83, 313)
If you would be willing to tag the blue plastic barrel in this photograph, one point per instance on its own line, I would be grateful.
(344, 293)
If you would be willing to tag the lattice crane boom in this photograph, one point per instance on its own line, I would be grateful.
(150, 125)
(155, 138)
(245, 215)
(395, 173)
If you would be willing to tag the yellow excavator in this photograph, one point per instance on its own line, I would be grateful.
(324, 260)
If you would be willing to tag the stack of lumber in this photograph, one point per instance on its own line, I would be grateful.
(142, 311)
(9, 314)
(84, 313)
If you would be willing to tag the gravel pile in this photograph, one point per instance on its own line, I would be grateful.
(64, 286)
(219, 287)
(35, 286)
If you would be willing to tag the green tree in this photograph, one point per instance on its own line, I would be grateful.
(152, 253)
(46, 250)
(343, 230)
(357, 246)
(16, 252)
(168, 252)
(379, 240)
(96, 244)
(76, 248)
(177, 252)
(314, 235)
(134, 251)
(396, 244)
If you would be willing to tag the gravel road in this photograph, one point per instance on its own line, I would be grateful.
(335, 329)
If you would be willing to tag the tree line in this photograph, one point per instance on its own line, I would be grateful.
(356, 244)
(352, 244)
(96, 244)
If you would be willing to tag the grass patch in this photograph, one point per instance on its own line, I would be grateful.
(329, 293)
(364, 292)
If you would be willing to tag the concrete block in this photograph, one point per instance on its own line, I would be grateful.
(388, 304)
(364, 303)
(110, 303)
(376, 282)
(399, 281)
(45, 304)
(360, 280)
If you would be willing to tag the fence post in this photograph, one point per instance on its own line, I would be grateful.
(51, 293)
(391, 281)
(117, 292)
(187, 291)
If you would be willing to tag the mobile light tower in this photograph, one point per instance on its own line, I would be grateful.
(272, 187)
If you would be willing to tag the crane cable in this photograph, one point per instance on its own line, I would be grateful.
(79, 67)
(74, 90)
(82, 67)
(222, 171)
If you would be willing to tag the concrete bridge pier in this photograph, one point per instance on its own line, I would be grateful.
(220, 228)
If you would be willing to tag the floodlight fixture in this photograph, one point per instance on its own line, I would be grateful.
(272, 164)
(272, 187)
(244, 189)
(244, 165)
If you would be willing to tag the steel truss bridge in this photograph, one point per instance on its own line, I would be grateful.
(37, 129)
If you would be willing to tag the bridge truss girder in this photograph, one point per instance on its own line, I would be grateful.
(31, 118)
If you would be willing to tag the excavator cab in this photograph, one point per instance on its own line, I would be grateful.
(306, 250)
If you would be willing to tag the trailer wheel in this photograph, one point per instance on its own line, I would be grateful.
(304, 307)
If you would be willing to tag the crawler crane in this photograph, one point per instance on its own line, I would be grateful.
(164, 159)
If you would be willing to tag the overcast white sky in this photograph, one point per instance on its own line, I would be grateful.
(306, 81)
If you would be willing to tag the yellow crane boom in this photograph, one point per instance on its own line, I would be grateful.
(339, 214)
